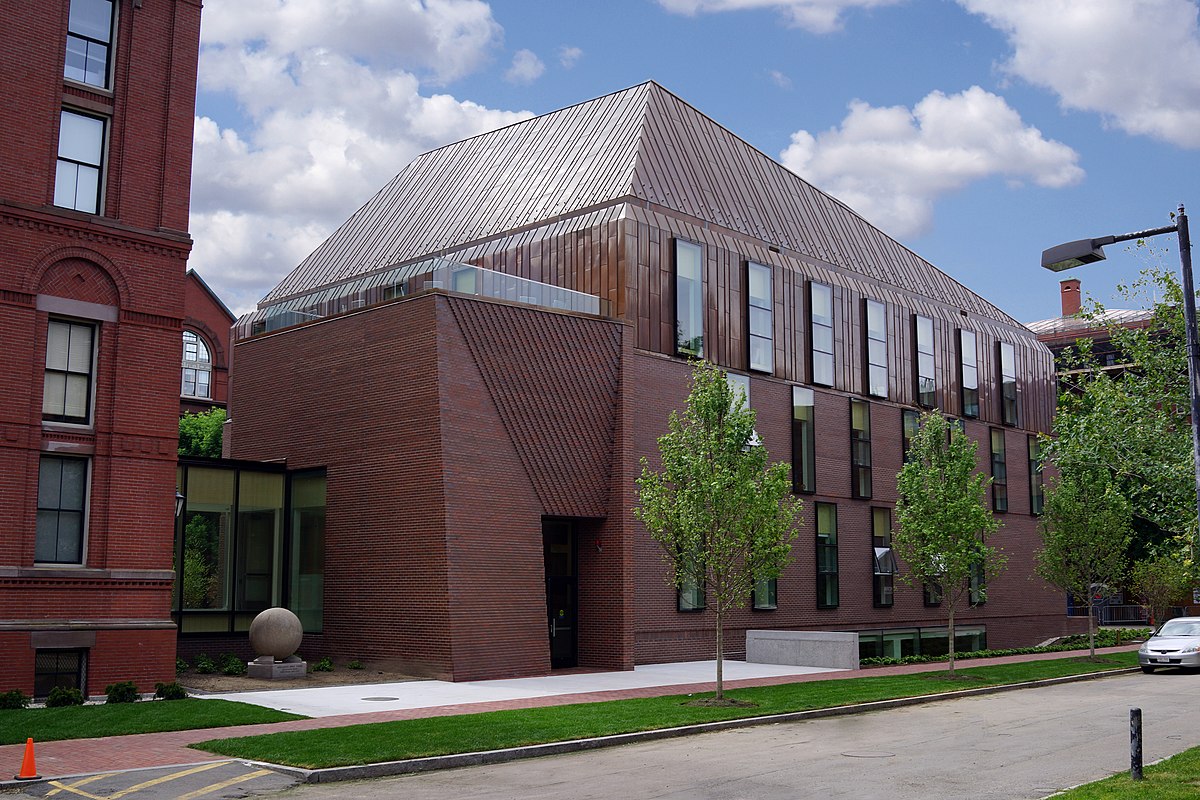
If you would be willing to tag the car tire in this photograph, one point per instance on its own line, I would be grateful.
(1147, 670)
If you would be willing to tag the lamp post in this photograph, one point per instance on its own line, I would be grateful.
(1087, 251)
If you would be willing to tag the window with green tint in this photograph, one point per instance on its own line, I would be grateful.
(765, 596)
(860, 449)
(975, 585)
(306, 584)
(691, 595)
(968, 373)
(689, 299)
(259, 545)
(207, 541)
(910, 423)
(924, 361)
(827, 555)
(804, 447)
(883, 560)
(1008, 383)
(999, 471)
(931, 594)
(820, 303)
(1037, 489)
(877, 347)
(760, 317)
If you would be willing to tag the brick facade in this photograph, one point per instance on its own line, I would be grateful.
(121, 273)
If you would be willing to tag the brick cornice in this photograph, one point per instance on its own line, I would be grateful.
(96, 230)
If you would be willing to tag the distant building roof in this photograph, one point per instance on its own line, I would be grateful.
(1061, 327)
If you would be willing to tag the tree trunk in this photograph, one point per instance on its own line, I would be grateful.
(950, 635)
(720, 654)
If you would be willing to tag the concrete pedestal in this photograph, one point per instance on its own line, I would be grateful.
(267, 667)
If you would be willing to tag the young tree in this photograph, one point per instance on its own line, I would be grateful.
(200, 434)
(722, 516)
(1163, 579)
(942, 517)
(1085, 532)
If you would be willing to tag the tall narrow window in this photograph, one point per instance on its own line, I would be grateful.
(89, 42)
(804, 450)
(883, 559)
(689, 299)
(62, 498)
(1008, 383)
(968, 373)
(999, 472)
(821, 330)
(1037, 493)
(923, 363)
(877, 347)
(739, 384)
(80, 162)
(860, 449)
(910, 423)
(67, 386)
(827, 556)
(760, 317)
(931, 594)
(691, 595)
(197, 367)
(765, 594)
(975, 586)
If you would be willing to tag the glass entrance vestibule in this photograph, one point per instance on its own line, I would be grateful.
(250, 536)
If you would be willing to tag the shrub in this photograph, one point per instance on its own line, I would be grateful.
(170, 691)
(232, 665)
(181, 666)
(205, 665)
(64, 696)
(355, 664)
(13, 699)
(123, 692)
(324, 665)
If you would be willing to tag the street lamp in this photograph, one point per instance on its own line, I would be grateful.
(1087, 251)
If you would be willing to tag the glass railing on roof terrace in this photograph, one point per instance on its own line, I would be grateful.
(436, 273)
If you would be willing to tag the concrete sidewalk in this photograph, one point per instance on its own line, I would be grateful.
(429, 699)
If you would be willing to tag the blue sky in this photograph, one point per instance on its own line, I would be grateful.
(976, 132)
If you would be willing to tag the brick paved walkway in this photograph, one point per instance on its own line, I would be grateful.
(86, 756)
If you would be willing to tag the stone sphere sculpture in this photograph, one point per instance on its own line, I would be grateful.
(276, 632)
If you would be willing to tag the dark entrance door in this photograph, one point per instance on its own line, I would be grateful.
(558, 546)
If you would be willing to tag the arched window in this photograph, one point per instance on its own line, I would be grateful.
(197, 367)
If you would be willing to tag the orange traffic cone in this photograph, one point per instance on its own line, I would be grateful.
(28, 768)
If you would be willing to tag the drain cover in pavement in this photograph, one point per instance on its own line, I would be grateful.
(868, 754)
(380, 699)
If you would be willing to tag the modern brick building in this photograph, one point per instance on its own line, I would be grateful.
(95, 171)
(479, 357)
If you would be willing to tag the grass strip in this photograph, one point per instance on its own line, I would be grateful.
(1176, 778)
(496, 730)
(119, 719)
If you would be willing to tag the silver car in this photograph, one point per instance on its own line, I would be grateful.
(1175, 644)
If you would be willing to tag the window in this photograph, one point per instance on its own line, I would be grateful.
(62, 501)
(54, 668)
(923, 363)
(1008, 383)
(80, 162)
(820, 299)
(910, 423)
(197, 367)
(89, 42)
(883, 559)
(70, 359)
(804, 452)
(760, 317)
(765, 592)
(738, 384)
(1037, 494)
(860, 449)
(691, 595)
(877, 371)
(931, 594)
(975, 585)
(689, 300)
(827, 556)
(999, 472)
(968, 373)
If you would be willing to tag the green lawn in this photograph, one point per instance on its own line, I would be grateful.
(1177, 778)
(390, 741)
(87, 722)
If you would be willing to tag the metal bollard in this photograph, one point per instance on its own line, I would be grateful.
(1135, 744)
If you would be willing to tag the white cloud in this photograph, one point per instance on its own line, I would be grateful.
(1135, 62)
(891, 164)
(779, 79)
(568, 57)
(815, 16)
(332, 112)
(526, 67)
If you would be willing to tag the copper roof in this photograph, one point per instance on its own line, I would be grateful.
(642, 146)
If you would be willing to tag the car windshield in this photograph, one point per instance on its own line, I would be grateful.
(1180, 628)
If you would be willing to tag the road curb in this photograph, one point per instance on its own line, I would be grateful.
(432, 763)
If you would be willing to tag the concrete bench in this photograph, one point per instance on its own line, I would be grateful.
(803, 648)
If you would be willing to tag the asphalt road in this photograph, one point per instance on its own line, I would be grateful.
(1022, 744)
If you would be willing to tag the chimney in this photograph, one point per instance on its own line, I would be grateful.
(1070, 296)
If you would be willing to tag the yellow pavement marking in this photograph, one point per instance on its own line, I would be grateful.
(64, 787)
(166, 778)
(223, 784)
(76, 784)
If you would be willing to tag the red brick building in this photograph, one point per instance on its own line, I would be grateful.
(204, 376)
(95, 170)
(480, 356)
